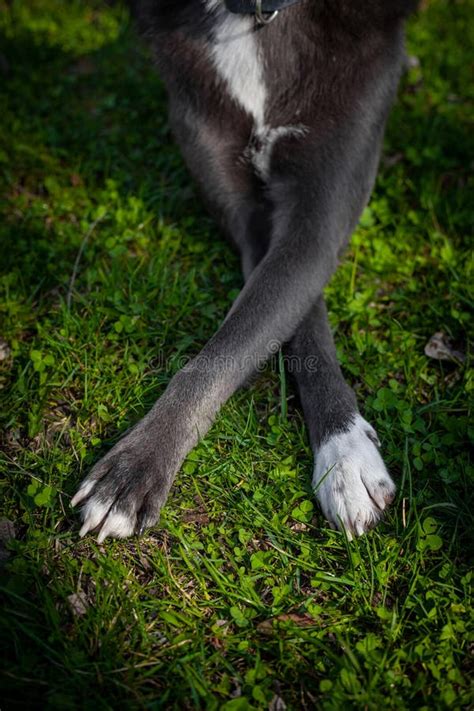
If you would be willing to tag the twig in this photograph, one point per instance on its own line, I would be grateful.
(78, 258)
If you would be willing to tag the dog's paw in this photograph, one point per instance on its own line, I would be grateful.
(350, 479)
(125, 491)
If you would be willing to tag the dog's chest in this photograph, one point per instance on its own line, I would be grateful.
(238, 60)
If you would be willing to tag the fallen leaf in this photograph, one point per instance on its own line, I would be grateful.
(75, 179)
(7, 533)
(5, 349)
(277, 704)
(439, 348)
(221, 623)
(266, 627)
(298, 527)
(83, 67)
(78, 603)
(195, 517)
(216, 643)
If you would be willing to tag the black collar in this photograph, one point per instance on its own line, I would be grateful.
(248, 7)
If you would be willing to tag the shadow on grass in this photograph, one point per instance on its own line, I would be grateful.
(79, 129)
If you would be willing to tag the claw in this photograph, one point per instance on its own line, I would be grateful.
(94, 514)
(82, 493)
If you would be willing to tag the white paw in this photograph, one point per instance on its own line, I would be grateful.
(100, 512)
(350, 479)
(113, 523)
(125, 491)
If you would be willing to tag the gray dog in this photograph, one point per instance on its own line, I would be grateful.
(279, 108)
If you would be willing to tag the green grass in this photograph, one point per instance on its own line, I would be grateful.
(242, 595)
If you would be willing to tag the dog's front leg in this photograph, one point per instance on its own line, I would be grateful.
(126, 489)
(350, 478)
(317, 189)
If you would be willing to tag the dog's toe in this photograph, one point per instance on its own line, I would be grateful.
(83, 492)
(93, 514)
(118, 524)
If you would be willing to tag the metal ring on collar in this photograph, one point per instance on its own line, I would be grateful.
(260, 17)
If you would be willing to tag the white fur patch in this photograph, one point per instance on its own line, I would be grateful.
(117, 525)
(93, 514)
(350, 479)
(267, 138)
(235, 54)
(238, 61)
(112, 522)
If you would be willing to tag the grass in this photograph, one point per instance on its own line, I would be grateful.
(111, 276)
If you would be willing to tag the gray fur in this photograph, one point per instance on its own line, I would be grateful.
(333, 68)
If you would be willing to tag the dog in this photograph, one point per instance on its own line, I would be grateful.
(279, 108)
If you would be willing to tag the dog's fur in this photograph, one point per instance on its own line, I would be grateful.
(281, 125)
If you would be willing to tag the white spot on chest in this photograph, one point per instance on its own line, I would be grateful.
(238, 60)
(265, 140)
(236, 57)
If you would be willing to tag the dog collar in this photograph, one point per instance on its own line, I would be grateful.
(264, 10)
